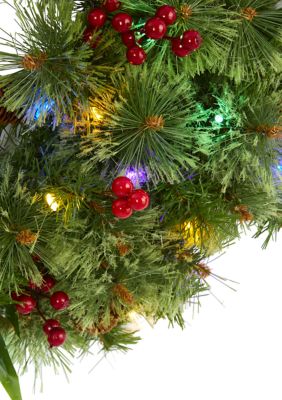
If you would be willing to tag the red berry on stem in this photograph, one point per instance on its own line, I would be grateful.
(121, 209)
(48, 284)
(191, 40)
(167, 14)
(122, 186)
(155, 28)
(27, 305)
(50, 324)
(15, 296)
(128, 39)
(139, 200)
(57, 337)
(59, 300)
(87, 34)
(136, 55)
(122, 22)
(112, 5)
(88, 37)
(97, 18)
(178, 48)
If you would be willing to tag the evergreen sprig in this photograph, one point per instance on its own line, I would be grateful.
(55, 71)
(256, 49)
(155, 123)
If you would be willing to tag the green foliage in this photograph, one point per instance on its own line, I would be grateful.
(66, 73)
(215, 23)
(256, 49)
(155, 122)
(8, 375)
(208, 179)
(118, 339)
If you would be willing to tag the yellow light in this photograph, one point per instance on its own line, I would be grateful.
(95, 113)
(187, 226)
(51, 201)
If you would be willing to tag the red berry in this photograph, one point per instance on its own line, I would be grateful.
(121, 209)
(178, 48)
(88, 38)
(15, 296)
(139, 200)
(122, 22)
(59, 300)
(136, 55)
(155, 28)
(33, 285)
(36, 258)
(122, 186)
(57, 337)
(97, 18)
(49, 325)
(128, 39)
(167, 14)
(48, 284)
(27, 306)
(191, 40)
(112, 5)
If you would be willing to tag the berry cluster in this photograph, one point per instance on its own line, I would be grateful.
(155, 28)
(188, 42)
(128, 198)
(97, 19)
(29, 302)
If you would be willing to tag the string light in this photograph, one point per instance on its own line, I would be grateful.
(51, 201)
(137, 175)
(219, 119)
(96, 114)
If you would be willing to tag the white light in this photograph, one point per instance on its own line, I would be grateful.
(51, 201)
(219, 119)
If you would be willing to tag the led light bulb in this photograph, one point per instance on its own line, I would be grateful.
(51, 201)
(218, 119)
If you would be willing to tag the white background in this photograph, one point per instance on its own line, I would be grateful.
(231, 350)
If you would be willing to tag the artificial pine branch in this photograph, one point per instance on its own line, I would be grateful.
(54, 66)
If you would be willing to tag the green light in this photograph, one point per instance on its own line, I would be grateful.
(218, 119)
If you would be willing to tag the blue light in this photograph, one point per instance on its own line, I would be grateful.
(43, 108)
(138, 176)
(218, 119)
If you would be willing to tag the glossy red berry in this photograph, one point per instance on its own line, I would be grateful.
(59, 300)
(57, 337)
(128, 39)
(178, 48)
(191, 40)
(155, 28)
(121, 209)
(88, 37)
(136, 55)
(97, 18)
(15, 296)
(27, 305)
(122, 186)
(167, 14)
(122, 22)
(47, 284)
(139, 200)
(112, 5)
(50, 324)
